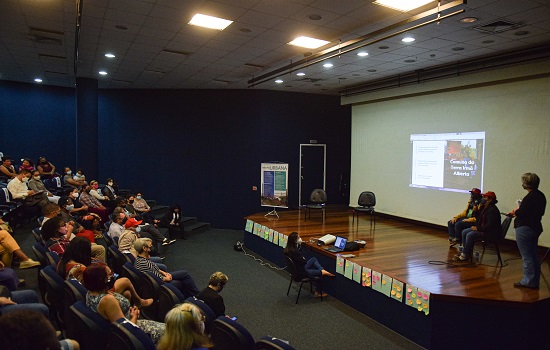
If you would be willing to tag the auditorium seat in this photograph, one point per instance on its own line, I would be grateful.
(118, 258)
(169, 296)
(124, 335)
(271, 343)
(208, 313)
(73, 291)
(151, 289)
(230, 335)
(87, 327)
(54, 294)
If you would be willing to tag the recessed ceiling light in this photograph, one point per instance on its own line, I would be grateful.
(410, 61)
(109, 55)
(245, 30)
(309, 43)
(383, 47)
(279, 81)
(121, 27)
(209, 22)
(457, 48)
(408, 39)
(37, 80)
(403, 5)
(468, 20)
(328, 65)
(300, 74)
(362, 54)
(371, 70)
(102, 72)
(314, 17)
(521, 33)
(490, 41)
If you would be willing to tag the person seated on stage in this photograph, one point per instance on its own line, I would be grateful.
(68, 180)
(37, 185)
(59, 234)
(10, 248)
(46, 169)
(26, 163)
(109, 189)
(129, 236)
(94, 206)
(180, 279)
(211, 294)
(19, 191)
(465, 219)
(6, 169)
(306, 268)
(184, 329)
(488, 226)
(99, 280)
(28, 330)
(172, 221)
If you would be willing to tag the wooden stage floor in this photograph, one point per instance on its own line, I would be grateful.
(417, 255)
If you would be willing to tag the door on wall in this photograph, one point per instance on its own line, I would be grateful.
(312, 170)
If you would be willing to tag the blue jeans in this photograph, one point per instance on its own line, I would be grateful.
(26, 300)
(469, 237)
(527, 241)
(455, 230)
(183, 281)
(313, 267)
(9, 279)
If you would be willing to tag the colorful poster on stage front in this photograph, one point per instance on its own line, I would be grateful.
(281, 240)
(275, 237)
(424, 297)
(348, 270)
(249, 226)
(340, 264)
(386, 285)
(274, 185)
(411, 296)
(366, 276)
(397, 290)
(377, 281)
(357, 272)
(270, 238)
(256, 230)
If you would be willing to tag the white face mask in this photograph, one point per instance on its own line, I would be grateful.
(110, 183)
(36, 177)
(69, 172)
(138, 229)
(138, 197)
(75, 195)
(70, 207)
(299, 241)
(25, 179)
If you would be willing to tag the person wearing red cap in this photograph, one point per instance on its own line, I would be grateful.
(528, 229)
(464, 220)
(487, 226)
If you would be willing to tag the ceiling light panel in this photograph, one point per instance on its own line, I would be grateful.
(308, 43)
(403, 5)
(210, 22)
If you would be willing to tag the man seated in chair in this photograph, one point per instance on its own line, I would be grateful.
(306, 268)
(19, 191)
(488, 226)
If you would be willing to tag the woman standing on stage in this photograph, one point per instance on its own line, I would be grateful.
(528, 229)
(309, 268)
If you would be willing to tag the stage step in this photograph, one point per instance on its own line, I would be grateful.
(191, 224)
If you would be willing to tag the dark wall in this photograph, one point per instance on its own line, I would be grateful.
(199, 148)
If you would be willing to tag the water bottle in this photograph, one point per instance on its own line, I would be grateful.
(476, 256)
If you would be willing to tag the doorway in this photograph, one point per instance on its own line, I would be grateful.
(313, 164)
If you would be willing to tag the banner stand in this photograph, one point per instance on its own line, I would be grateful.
(273, 212)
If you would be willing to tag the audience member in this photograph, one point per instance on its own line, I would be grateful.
(138, 205)
(109, 190)
(8, 278)
(68, 180)
(487, 226)
(306, 268)
(78, 209)
(128, 237)
(7, 169)
(19, 190)
(96, 193)
(172, 221)
(181, 279)
(54, 210)
(116, 228)
(94, 206)
(10, 248)
(528, 229)
(26, 163)
(99, 279)
(184, 329)
(28, 330)
(37, 185)
(18, 300)
(211, 294)
(46, 169)
(465, 219)
(79, 176)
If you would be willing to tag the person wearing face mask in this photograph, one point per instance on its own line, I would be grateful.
(211, 294)
(184, 329)
(128, 236)
(488, 226)
(94, 206)
(306, 268)
(68, 180)
(36, 185)
(19, 190)
(78, 209)
(26, 163)
(109, 190)
(181, 279)
(6, 169)
(465, 219)
(100, 280)
(46, 169)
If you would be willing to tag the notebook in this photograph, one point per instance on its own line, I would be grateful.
(339, 245)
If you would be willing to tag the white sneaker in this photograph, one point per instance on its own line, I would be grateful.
(27, 264)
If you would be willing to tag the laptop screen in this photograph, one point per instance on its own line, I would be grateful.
(340, 242)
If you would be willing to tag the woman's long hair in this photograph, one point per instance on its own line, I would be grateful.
(50, 229)
(79, 250)
(292, 243)
(183, 329)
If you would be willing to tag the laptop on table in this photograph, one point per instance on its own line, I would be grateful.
(339, 245)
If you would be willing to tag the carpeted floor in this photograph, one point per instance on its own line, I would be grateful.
(256, 294)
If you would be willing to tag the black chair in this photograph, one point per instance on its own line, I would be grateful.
(108, 239)
(40, 251)
(366, 203)
(124, 335)
(295, 276)
(317, 201)
(87, 327)
(73, 291)
(118, 258)
(55, 186)
(496, 240)
(54, 294)
(151, 289)
(271, 343)
(38, 236)
(169, 296)
(208, 313)
(53, 259)
(230, 335)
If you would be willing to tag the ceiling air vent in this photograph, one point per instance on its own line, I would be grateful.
(45, 36)
(497, 26)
